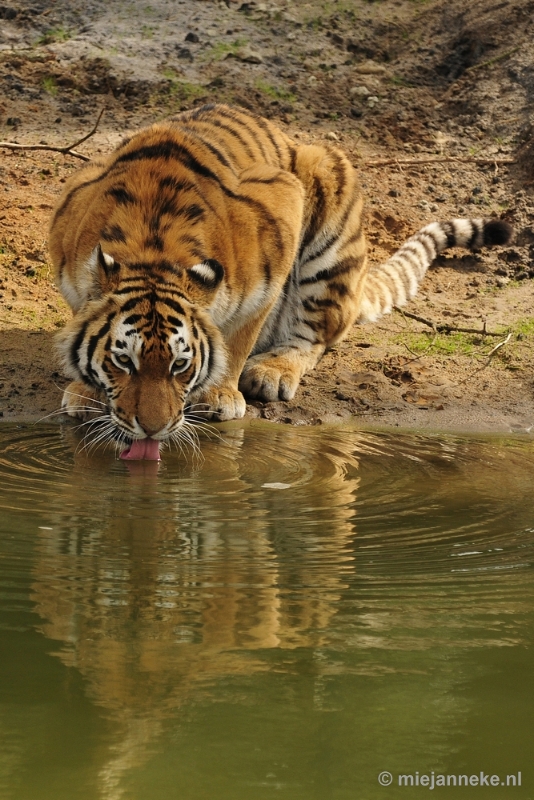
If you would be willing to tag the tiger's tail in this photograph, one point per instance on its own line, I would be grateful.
(397, 280)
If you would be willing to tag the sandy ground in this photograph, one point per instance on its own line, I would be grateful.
(443, 91)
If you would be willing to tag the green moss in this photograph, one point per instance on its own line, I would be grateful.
(275, 92)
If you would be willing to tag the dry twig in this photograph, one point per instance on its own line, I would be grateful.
(416, 162)
(489, 358)
(446, 327)
(68, 150)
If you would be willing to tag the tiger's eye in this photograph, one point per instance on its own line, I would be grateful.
(124, 359)
(179, 365)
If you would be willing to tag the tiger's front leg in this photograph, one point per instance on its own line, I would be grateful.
(82, 401)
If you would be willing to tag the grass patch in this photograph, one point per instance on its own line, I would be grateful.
(275, 92)
(220, 50)
(59, 34)
(523, 328)
(50, 86)
(449, 344)
(181, 90)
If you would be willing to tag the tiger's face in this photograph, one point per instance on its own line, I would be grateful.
(145, 345)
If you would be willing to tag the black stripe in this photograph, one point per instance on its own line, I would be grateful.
(176, 184)
(318, 212)
(266, 267)
(214, 150)
(349, 264)
(192, 212)
(133, 318)
(113, 234)
(172, 304)
(264, 125)
(238, 118)
(121, 195)
(266, 181)
(134, 301)
(154, 242)
(77, 343)
(94, 339)
(473, 237)
(232, 131)
(448, 230)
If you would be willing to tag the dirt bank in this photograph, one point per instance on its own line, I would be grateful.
(442, 90)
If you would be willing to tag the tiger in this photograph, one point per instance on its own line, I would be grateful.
(209, 258)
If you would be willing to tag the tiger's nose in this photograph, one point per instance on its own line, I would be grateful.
(150, 430)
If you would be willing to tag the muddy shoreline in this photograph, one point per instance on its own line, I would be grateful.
(419, 85)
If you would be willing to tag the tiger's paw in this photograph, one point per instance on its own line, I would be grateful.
(82, 402)
(221, 403)
(270, 377)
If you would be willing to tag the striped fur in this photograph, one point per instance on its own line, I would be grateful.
(396, 281)
(211, 256)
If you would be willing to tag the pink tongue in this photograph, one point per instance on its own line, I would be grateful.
(142, 449)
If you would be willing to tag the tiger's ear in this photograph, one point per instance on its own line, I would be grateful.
(96, 274)
(209, 273)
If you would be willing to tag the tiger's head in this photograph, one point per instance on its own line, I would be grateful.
(142, 339)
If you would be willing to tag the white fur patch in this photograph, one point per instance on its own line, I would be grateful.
(205, 272)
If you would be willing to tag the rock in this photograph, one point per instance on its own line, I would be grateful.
(370, 68)
(192, 37)
(247, 55)
(359, 91)
(333, 136)
(184, 53)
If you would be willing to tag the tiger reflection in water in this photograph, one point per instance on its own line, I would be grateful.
(205, 599)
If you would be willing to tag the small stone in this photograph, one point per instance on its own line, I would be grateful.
(192, 37)
(359, 91)
(356, 112)
(501, 282)
(184, 53)
(333, 136)
(246, 55)
(370, 68)
(394, 193)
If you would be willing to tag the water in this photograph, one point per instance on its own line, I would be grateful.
(302, 611)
